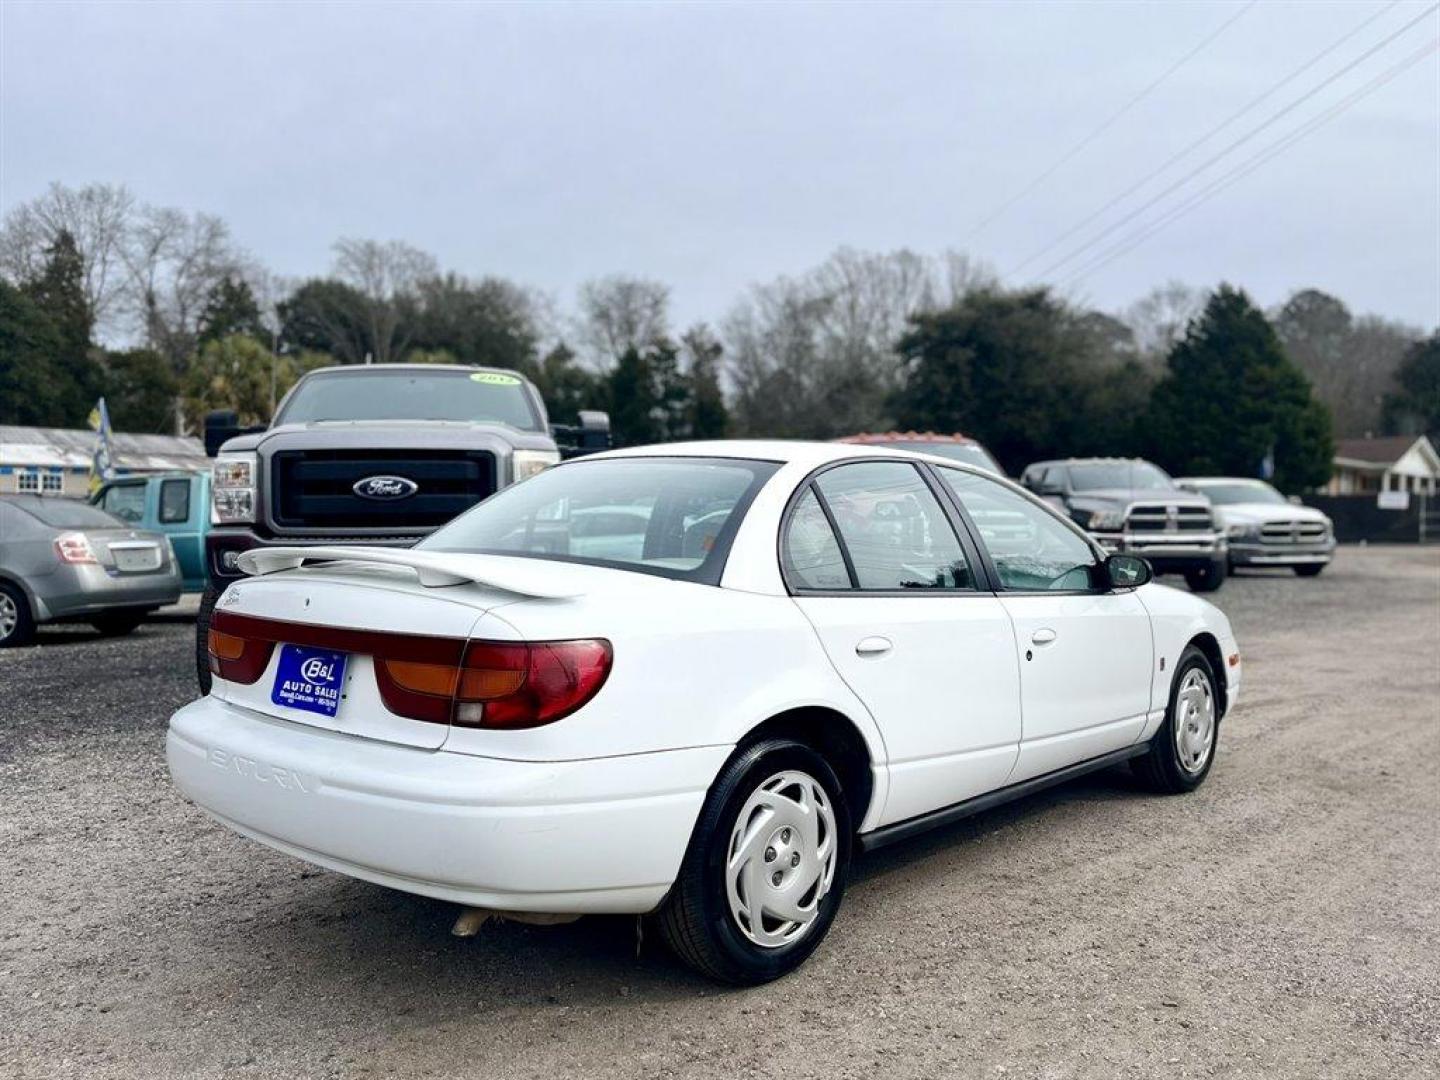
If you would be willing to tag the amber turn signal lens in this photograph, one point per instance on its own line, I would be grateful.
(418, 678)
(226, 646)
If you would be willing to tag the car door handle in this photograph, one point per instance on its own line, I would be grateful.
(1042, 637)
(873, 646)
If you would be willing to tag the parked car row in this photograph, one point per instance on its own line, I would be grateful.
(1198, 527)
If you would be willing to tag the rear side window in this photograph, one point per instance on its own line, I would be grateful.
(811, 554)
(892, 527)
(174, 501)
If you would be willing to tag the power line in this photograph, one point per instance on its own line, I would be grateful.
(1252, 163)
(1173, 158)
(1272, 119)
(1105, 125)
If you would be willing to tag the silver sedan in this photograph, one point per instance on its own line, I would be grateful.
(67, 561)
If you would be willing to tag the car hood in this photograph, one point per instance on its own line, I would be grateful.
(1260, 513)
(417, 434)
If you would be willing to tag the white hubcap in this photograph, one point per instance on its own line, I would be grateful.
(1194, 721)
(9, 616)
(781, 860)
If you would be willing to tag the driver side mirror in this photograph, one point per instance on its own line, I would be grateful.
(1127, 571)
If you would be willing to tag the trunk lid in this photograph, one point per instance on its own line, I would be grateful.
(364, 597)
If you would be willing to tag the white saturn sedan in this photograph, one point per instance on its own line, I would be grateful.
(692, 681)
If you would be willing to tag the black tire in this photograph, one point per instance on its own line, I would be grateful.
(1160, 768)
(118, 623)
(202, 637)
(1208, 579)
(1309, 569)
(23, 632)
(695, 919)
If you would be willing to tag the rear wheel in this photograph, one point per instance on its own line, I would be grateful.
(202, 636)
(1207, 580)
(1182, 751)
(118, 623)
(765, 871)
(17, 626)
(1310, 569)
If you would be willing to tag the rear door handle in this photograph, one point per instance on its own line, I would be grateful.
(873, 646)
(1042, 637)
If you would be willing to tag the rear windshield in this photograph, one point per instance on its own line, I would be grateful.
(966, 453)
(674, 517)
(478, 396)
(69, 514)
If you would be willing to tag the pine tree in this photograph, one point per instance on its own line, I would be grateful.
(58, 291)
(230, 308)
(1231, 401)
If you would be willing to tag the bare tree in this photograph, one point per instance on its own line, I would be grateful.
(99, 217)
(388, 275)
(1159, 318)
(618, 313)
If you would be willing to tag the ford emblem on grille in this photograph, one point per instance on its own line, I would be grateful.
(385, 487)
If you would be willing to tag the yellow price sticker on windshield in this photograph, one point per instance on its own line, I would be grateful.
(494, 378)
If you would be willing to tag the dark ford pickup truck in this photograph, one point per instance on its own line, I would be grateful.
(377, 454)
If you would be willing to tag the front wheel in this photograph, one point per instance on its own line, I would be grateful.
(1207, 580)
(1309, 569)
(765, 871)
(1182, 751)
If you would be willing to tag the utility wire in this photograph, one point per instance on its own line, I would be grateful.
(1173, 158)
(1105, 125)
(1272, 119)
(1252, 163)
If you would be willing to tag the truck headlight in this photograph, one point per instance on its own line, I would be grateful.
(1107, 520)
(232, 488)
(530, 463)
(1243, 532)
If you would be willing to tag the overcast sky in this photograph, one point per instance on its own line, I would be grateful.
(711, 146)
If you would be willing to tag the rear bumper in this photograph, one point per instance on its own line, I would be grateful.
(597, 835)
(78, 590)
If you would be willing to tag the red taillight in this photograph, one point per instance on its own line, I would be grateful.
(498, 684)
(440, 680)
(74, 547)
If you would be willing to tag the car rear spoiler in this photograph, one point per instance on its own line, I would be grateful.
(435, 569)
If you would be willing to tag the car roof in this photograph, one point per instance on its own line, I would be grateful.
(875, 438)
(784, 451)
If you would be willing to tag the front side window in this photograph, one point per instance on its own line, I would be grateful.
(669, 516)
(893, 528)
(1032, 549)
(125, 501)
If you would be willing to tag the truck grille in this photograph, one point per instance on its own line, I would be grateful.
(1167, 517)
(1292, 532)
(314, 489)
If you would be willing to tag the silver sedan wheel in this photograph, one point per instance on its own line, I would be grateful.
(9, 616)
(781, 859)
(1194, 721)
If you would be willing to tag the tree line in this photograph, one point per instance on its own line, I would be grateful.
(1198, 380)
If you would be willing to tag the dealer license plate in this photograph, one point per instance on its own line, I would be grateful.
(309, 679)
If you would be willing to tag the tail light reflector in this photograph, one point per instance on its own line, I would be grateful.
(74, 547)
(498, 684)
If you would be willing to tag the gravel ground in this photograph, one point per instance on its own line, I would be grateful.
(1284, 920)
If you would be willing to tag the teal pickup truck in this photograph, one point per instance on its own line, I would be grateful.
(176, 504)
